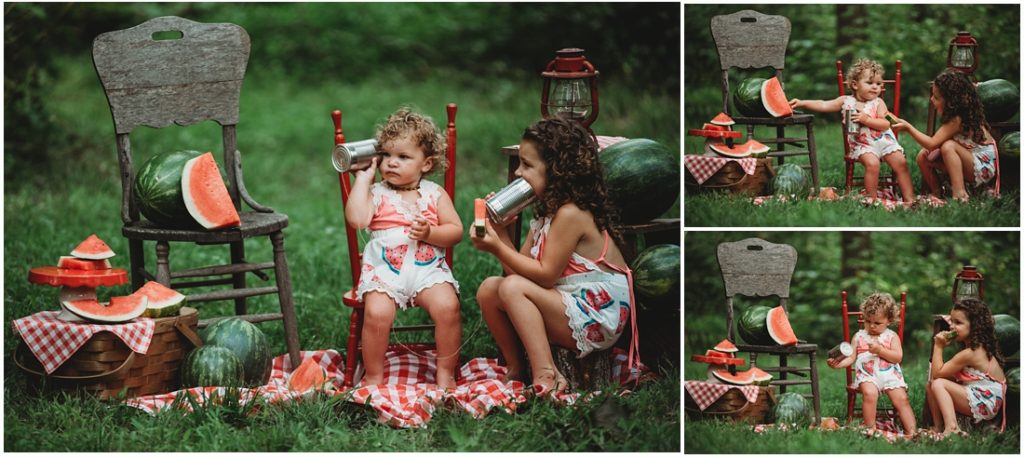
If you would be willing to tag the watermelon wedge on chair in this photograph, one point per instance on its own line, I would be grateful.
(206, 197)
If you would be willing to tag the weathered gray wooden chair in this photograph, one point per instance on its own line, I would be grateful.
(749, 39)
(754, 267)
(194, 76)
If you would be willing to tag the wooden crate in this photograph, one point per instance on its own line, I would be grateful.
(105, 367)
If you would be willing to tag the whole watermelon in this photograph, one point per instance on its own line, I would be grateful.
(211, 366)
(1000, 98)
(656, 274)
(642, 177)
(1009, 145)
(1013, 380)
(247, 342)
(157, 190)
(1007, 333)
(752, 325)
(793, 408)
(747, 98)
(791, 180)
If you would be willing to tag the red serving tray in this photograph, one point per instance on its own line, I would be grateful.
(715, 133)
(76, 278)
(717, 360)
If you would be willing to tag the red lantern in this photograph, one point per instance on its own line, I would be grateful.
(963, 53)
(968, 283)
(570, 87)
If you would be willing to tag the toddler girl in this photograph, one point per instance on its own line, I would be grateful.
(972, 382)
(876, 359)
(962, 147)
(411, 221)
(874, 141)
(568, 284)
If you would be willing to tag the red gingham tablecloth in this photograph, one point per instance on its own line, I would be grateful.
(703, 167)
(604, 141)
(706, 393)
(407, 400)
(53, 341)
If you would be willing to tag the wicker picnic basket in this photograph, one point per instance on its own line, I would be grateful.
(105, 367)
(733, 179)
(733, 405)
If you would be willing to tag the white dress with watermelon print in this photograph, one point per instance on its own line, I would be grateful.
(597, 302)
(393, 263)
(870, 367)
(868, 140)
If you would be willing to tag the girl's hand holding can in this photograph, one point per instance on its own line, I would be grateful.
(420, 229)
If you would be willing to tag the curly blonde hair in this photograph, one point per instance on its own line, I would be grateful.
(861, 67)
(881, 302)
(406, 123)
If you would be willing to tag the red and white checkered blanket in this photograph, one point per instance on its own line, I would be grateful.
(53, 341)
(706, 393)
(703, 167)
(408, 399)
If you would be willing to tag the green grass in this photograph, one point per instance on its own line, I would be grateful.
(285, 136)
(716, 436)
(723, 209)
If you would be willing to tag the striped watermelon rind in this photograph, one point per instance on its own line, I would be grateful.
(1009, 145)
(752, 325)
(792, 408)
(747, 98)
(163, 301)
(157, 190)
(118, 310)
(642, 178)
(791, 180)
(211, 365)
(247, 342)
(1000, 99)
(656, 274)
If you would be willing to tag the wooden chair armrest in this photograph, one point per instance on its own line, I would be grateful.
(242, 192)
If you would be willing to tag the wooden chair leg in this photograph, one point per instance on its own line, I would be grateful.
(137, 260)
(851, 398)
(238, 279)
(284, 295)
(783, 362)
(813, 153)
(352, 349)
(163, 267)
(814, 388)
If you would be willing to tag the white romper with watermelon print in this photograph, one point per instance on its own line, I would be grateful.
(393, 263)
(870, 367)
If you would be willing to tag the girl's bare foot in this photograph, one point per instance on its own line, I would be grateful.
(368, 380)
(550, 380)
(445, 380)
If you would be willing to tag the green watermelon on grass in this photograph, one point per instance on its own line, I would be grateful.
(1007, 329)
(211, 366)
(1009, 145)
(1000, 98)
(642, 178)
(656, 274)
(247, 342)
(791, 180)
(793, 408)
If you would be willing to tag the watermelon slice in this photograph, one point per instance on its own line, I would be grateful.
(757, 147)
(726, 346)
(206, 197)
(779, 328)
(736, 152)
(760, 377)
(741, 378)
(716, 127)
(71, 262)
(774, 99)
(722, 119)
(92, 248)
(120, 308)
(163, 301)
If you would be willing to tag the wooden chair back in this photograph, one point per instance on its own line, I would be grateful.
(172, 70)
(749, 39)
(757, 268)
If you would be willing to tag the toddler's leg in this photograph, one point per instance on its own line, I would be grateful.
(928, 172)
(901, 403)
(378, 316)
(538, 316)
(442, 304)
(898, 162)
(493, 311)
(869, 405)
(951, 398)
(871, 166)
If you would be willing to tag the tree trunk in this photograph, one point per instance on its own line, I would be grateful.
(856, 258)
(586, 374)
(851, 27)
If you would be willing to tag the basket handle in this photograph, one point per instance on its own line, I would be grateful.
(187, 331)
(85, 379)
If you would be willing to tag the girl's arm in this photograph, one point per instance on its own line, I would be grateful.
(842, 363)
(945, 132)
(947, 369)
(821, 106)
(359, 208)
(447, 233)
(893, 355)
(563, 236)
(875, 123)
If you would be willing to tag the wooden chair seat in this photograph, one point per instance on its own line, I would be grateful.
(779, 349)
(796, 119)
(253, 224)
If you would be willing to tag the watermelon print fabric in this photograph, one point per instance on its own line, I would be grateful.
(984, 394)
(869, 367)
(596, 302)
(393, 263)
(867, 140)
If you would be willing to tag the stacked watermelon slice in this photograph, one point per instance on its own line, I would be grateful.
(719, 142)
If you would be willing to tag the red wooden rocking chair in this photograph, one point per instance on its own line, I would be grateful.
(884, 181)
(852, 410)
(354, 347)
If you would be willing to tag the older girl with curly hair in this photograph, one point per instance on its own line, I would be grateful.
(962, 147)
(972, 382)
(568, 285)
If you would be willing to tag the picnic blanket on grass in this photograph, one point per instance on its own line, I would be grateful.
(887, 199)
(409, 398)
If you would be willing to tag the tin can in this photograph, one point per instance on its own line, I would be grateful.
(842, 350)
(851, 126)
(510, 201)
(349, 154)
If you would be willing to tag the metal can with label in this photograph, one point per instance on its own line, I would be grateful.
(851, 126)
(349, 154)
(510, 201)
(844, 349)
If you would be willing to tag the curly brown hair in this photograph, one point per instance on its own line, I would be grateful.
(861, 67)
(574, 172)
(881, 302)
(962, 101)
(983, 333)
(406, 123)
